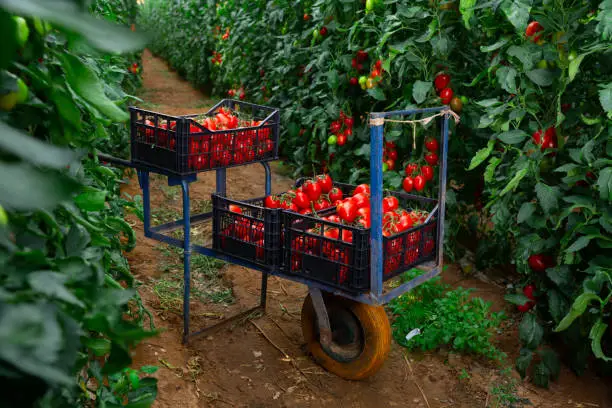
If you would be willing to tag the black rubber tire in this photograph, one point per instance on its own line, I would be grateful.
(369, 345)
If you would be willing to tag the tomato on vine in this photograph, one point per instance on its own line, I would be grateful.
(419, 183)
(441, 81)
(431, 144)
(446, 95)
(431, 158)
(408, 184)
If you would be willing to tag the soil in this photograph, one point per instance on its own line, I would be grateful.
(260, 361)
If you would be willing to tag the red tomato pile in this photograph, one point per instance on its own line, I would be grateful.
(213, 150)
(314, 195)
(417, 178)
(340, 130)
(217, 58)
(245, 229)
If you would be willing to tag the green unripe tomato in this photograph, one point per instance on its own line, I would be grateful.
(315, 34)
(572, 55)
(3, 217)
(542, 64)
(22, 93)
(332, 140)
(385, 167)
(369, 5)
(363, 79)
(464, 99)
(23, 32)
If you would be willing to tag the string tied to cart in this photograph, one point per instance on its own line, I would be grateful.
(425, 121)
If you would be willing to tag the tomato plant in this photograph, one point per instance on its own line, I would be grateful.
(483, 61)
(65, 283)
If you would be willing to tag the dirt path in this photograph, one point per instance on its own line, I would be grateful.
(237, 366)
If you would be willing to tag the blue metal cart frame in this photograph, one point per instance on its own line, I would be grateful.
(375, 296)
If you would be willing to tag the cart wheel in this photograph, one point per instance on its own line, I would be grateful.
(361, 337)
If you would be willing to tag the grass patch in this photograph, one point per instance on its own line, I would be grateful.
(504, 393)
(445, 316)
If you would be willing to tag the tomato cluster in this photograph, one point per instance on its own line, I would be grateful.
(134, 68)
(226, 35)
(240, 92)
(340, 130)
(389, 156)
(532, 31)
(217, 58)
(445, 92)
(417, 178)
(546, 140)
(528, 291)
(374, 78)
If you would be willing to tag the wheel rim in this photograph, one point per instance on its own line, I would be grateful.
(347, 336)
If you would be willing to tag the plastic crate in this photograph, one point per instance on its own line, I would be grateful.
(346, 265)
(180, 145)
(253, 235)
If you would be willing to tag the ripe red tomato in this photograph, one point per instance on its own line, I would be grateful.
(325, 182)
(431, 144)
(392, 154)
(306, 17)
(441, 81)
(259, 249)
(362, 188)
(312, 190)
(427, 172)
(378, 65)
(362, 55)
(419, 183)
(365, 213)
(526, 307)
(540, 262)
(349, 121)
(529, 291)
(335, 194)
(405, 222)
(272, 201)
(301, 200)
(408, 184)
(347, 211)
(411, 168)
(333, 233)
(361, 200)
(347, 236)
(375, 73)
(348, 132)
(532, 28)
(323, 31)
(390, 203)
(431, 158)
(353, 81)
(335, 126)
(341, 140)
(446, 95)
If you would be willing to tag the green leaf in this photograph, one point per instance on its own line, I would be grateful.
(557, 305)
(52, 284)
(91, 200)
(517, 12)
(523, 54)
(490, 169)
(482, 155)
(507, 78)
(364, 150)
(487, 103)
(541, 375)
(70, 15)
(604, 182)
(99, 346)
(513, 136)
(515, 181)
(605, 97)
(87, 85)
(148, 369)
(66, 107)
(524, 361)
(516, 298)
(377, 93)
(466, 8)
(551, 360)
(495, 46)
(548, 196)
(541, 77)
(579, 244)
(560, 275)
(525, 212)
(596, 334)
(26, 188)
(420, 89)
(578, 308)
(333, 80)
(530, 331)
(574, 67)
(33, 150)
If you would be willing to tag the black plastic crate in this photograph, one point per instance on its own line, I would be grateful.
(181, 145)
(312, 251)
(253, 235)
